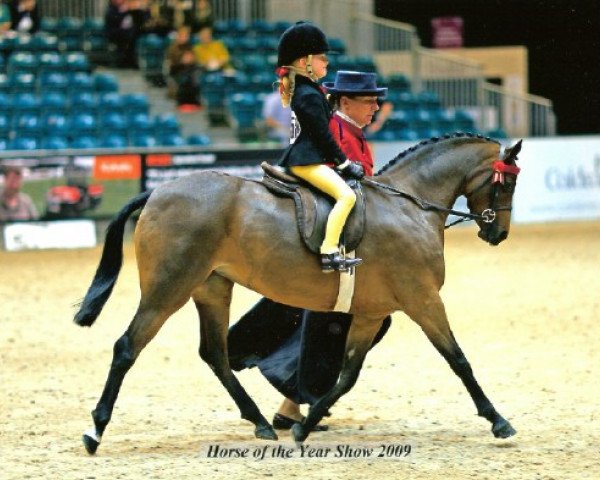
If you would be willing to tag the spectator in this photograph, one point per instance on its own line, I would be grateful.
(5, 18)
(277, 119)
(385, 110)
(204, 16)
(157, 21)
(212, 55)
(14, 204)
(24, 16)
(184, 71)
(123, 23)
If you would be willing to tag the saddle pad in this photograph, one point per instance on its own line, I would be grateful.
(312, 210)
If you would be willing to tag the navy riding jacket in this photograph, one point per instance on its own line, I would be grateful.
(315, 144)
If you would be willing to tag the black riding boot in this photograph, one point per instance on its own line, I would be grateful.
(331, 262)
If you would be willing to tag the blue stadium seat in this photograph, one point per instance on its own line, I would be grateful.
(56, 124)
(166, 124)
(70, 33)
(444, 120)
(244, 108)
(113, 140)
(83, 124)
(143, 140)
(113, 122)
(397, 82)
(44, 42)
(27, 125)
(85, 142)
(51, 62)
(262, 27)
(81, 82)
(281, 26)
(429, 100)
(134, 103)
(6, 102)
(464, 122)
(140, 123)
(3, 143)
(5, 124)
(405, 101)
(171, 140)
(54, 142)
(337, 45)
(497, 133)
(77, 62)
(54, 103)
(25, 102)
(23, 143)
(84, 102)
(24, 43)
(22, 83)
(105, 83)
(22, 62)
(111, 102)
(49, 24)
(53, 82)
(199, 139)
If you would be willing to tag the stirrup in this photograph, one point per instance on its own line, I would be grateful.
(331, 262)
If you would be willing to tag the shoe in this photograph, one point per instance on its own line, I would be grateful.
(188, 108)
(331, 262)
(281, 422)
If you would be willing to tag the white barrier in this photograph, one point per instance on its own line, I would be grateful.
(559, 179)
(55, 234)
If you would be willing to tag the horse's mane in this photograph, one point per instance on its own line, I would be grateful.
(402, 155)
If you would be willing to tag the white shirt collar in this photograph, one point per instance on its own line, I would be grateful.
(347, 118)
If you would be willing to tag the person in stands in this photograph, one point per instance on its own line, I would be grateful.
(14, 204)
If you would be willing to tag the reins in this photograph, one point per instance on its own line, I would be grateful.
(487, 216)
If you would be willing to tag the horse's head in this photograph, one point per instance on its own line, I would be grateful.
(490, 194)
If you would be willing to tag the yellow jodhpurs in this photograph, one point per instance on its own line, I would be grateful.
(329, 182)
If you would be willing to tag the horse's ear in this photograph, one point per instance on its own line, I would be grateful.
(511, 153)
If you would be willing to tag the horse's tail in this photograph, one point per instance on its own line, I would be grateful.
(109, 266)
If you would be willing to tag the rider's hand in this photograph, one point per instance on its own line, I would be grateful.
(352, 169)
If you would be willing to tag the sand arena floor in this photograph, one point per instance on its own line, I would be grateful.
(525, 313)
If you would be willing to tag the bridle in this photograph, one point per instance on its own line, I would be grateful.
(487, 216)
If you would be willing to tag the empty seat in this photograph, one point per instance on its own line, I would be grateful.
(44, 42)
(54, 142)
(114, 122)
(56, 124)
(105, 83)
(4, 83)
(85, 142)
(143, 140)
(134, 103)
(397, 82)
(25, 103)
(77, 62)
(463, 121)
(85, 102)
(111, 102)
(165, 124)
(22, 62)
(337, 45)
(53, 82)
(83, 124)
(54, 103)
(171, 140)
(140, 123)
(429, 100)
(22, 83)
(113, 140)
(70, 33)
(51, 62)
(49, 24)
(81, 82)
(23, 143)
(199, 139)
(5, 124)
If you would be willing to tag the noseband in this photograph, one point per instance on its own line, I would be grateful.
(487, 216)
(499, 171)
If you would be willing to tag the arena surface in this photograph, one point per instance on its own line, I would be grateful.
(525, 313)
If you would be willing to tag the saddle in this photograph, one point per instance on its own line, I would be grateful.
(313, 207)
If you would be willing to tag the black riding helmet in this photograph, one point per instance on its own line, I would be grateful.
(300, 40)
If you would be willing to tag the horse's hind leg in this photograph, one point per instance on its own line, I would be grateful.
(145, 324)
(212, 302)
(431, 317)
(360, 338)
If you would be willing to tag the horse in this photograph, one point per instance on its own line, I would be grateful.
(198, 235)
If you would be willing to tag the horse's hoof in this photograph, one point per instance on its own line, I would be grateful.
(298, 433)
(503, 429)
(90, 443)
(265, 432)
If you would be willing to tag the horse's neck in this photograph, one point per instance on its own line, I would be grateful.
(437, 174)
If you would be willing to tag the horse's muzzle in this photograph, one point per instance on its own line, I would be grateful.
(493, 236)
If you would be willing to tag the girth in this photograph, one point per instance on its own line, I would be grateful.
(313, 207)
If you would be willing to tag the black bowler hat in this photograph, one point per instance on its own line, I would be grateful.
(300, 40)
(354, 83)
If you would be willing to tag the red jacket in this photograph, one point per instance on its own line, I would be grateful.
(352, 142)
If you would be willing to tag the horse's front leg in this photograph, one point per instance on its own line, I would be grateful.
(431, 317)
(212, 303)
(360, 337)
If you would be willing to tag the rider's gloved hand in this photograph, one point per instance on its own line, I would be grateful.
(351, 169)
